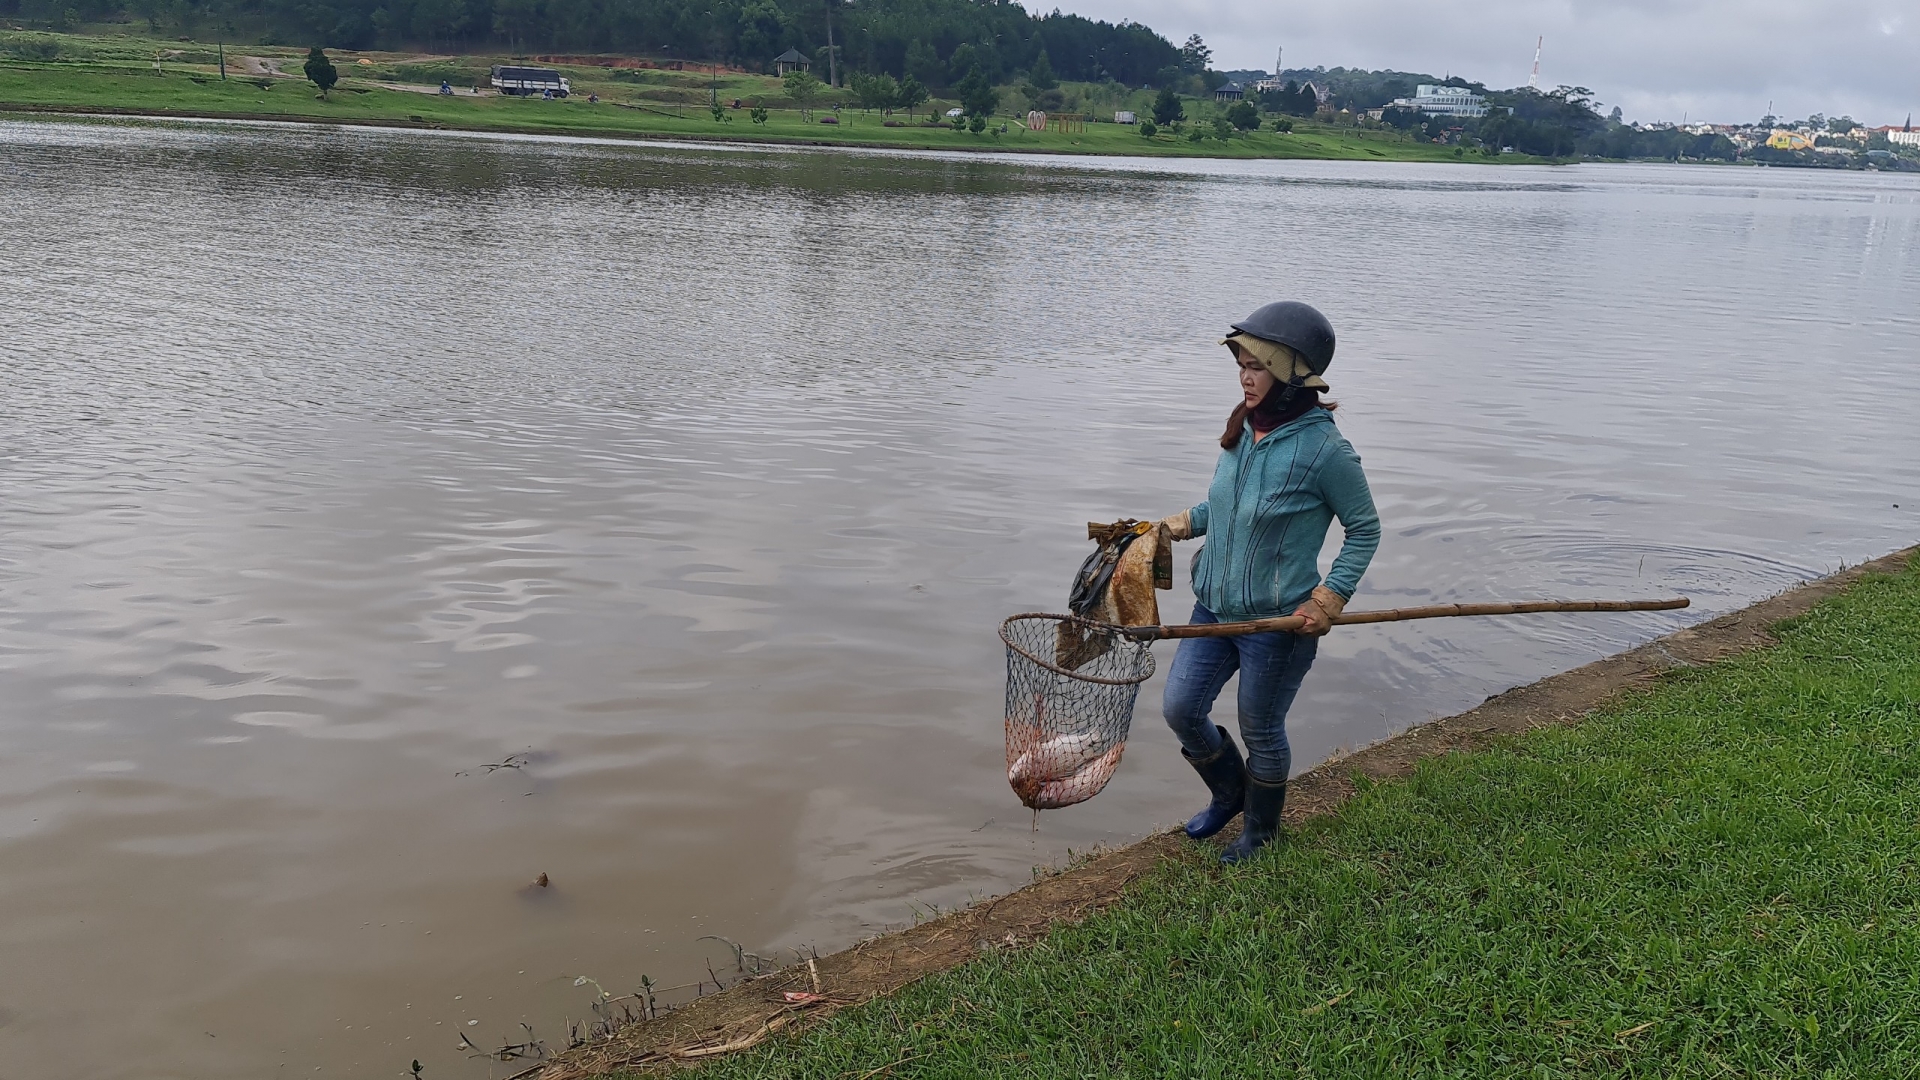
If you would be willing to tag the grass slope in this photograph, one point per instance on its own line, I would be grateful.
(628, 108)
(1720, 877)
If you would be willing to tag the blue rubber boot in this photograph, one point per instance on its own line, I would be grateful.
(1225, 775)
(1264, 803)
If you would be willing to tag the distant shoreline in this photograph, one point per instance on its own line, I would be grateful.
(633, 135)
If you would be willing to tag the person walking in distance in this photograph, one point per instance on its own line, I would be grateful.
(1285, 473)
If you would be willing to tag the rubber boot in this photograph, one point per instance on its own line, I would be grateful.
(1262, 824)
(1225, 775)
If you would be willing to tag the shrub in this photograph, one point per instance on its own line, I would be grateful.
(1147, 129)
(1282, 125)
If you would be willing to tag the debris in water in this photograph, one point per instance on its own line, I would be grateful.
(541, 881)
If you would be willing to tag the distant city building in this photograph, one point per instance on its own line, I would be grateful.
(1230, 92)
(791, 60)
(1443, 101)
(1903, 138)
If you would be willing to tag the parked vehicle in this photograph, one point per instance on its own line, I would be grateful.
(527, 81)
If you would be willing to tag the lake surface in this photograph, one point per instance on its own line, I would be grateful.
(388, 518)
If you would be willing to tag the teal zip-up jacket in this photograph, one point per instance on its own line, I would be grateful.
(1267, 514)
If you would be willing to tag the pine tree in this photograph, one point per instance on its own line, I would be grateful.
(320, 70)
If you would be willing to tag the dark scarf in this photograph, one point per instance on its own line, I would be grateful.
(1271, 413)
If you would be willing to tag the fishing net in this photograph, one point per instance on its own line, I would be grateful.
(1071, 684)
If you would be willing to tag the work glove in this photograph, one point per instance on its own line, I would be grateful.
(1179, 526)
(1320, 609)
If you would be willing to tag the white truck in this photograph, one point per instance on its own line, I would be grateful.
(527, 81)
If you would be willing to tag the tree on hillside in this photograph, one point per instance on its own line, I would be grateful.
(320, 70)
(1195, 57)
(910, 96)
(923, 64)
(804, 88)
(1243, 115)
(1167, 108)
(976, 93)
(1041, 76)
(962, 61)
(874, 91)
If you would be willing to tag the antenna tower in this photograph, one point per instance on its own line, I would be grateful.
(1277, 54)
(1533, 81)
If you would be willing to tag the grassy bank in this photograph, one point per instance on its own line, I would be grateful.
(1720, 876)
(141, 76)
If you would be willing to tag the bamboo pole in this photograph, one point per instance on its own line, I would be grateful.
(1433, 611)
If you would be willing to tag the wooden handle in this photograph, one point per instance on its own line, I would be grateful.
(1434, 611)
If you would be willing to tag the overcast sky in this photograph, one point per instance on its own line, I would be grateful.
(1716, 60)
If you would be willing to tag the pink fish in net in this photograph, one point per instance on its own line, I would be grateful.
(1049, 771)
(1084, 783)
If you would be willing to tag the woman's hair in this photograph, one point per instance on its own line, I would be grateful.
(1237, 420)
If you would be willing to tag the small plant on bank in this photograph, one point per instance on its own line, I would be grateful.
(959, 123)
(719, 112)
(320, 70)
(759, 114)
(1244, 115)
(1222, 129)
(1282, 125)
(977, 124)
(1148, 130)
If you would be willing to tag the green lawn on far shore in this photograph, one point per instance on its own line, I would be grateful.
(1719, 877)
(197, 91)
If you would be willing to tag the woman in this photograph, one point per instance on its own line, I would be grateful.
(1285, 473)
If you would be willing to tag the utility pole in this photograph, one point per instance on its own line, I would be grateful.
(223, 61)
(1533, 81)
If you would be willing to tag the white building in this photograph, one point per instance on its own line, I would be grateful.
(1904, 138)
(1443, 101)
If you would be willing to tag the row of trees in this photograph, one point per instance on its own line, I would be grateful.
(896, 37)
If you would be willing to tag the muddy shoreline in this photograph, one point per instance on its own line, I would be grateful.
(745, 1013)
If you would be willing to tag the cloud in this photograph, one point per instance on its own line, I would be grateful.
(1721, 60)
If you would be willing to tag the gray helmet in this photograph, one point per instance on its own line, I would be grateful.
(1298, 326)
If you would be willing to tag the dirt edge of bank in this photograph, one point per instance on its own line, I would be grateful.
(745, 1013)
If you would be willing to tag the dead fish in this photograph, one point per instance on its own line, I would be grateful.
(1084, 784)
(1055, 758)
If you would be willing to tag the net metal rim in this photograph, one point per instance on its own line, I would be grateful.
(1119, 631)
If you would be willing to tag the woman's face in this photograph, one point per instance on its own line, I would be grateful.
(1255, 380)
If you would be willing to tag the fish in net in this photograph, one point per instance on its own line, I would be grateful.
(1067, 727)
(1072, 679)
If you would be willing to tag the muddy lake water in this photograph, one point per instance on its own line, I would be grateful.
(388, 518)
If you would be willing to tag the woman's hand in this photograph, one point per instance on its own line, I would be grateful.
(1319, 611)
(1180, 525)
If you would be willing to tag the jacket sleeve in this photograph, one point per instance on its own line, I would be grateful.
(1197, 520)
(1344, 487)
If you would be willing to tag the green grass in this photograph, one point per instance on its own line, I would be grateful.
(78, 72)
(1720, 877)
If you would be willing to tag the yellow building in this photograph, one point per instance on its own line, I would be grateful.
(1781, 139)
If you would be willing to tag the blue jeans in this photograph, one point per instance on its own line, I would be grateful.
(1271, 667)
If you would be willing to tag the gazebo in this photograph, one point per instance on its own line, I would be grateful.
(1230, 92)
(791, 60)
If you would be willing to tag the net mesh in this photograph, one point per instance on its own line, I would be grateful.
(1071, 684)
